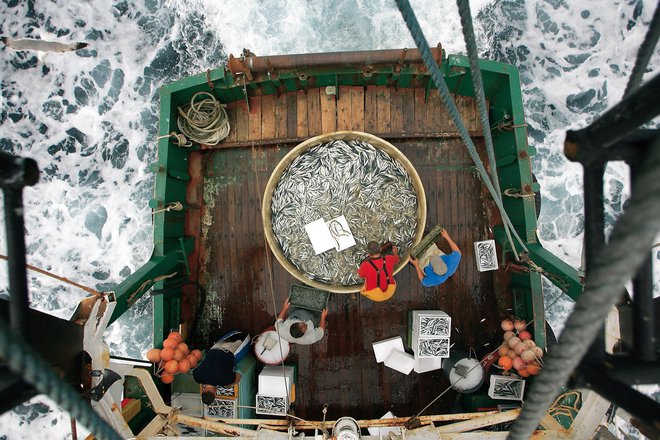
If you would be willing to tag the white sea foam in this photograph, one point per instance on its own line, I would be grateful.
(96, 112)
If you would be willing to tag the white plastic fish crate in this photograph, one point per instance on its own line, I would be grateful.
(486, 255)
(221, 409)
(272, 405)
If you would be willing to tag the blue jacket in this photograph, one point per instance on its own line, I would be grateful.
(433, 279)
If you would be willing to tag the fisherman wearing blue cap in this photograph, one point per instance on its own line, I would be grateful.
(438, 267)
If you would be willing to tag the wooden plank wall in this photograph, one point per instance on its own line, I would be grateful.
(379, 110)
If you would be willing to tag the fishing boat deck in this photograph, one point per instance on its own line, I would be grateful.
(246, 285)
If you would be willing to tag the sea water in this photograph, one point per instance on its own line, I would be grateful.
(90, 118)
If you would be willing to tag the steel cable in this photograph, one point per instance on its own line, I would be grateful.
(416, 32)
(630, 243)
(34, 369)
(644, 53)
(478, 86)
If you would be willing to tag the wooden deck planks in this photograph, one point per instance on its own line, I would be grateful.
(280, 117)
(385, 112)
(302, 121)
(314, 112)
(268, 129)
(344, 105)
(328, 113)
(340, 370)
(384, 122)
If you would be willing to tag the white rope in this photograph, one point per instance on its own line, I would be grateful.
(205, 122)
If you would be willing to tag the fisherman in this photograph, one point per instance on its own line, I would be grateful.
(438, 267)
(217, 368)
(378, 273)
(298, 327)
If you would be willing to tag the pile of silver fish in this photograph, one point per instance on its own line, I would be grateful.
(351, 178)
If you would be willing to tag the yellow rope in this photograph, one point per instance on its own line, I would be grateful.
(561, 409)
(511, 192)
(59, 278)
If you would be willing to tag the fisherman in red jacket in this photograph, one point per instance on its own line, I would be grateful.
(378, 273)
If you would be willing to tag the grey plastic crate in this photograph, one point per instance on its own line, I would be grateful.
(309, 298)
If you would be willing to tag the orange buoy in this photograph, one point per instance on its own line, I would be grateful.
(167, 378)
(176, 336)
(519, 348)
(171, 366)
(170, 343)
(520, 325)
(184, 366)
(508, 335)
(507, 325)
(192, 359)
(524, 335)
(167, 354)
(503, 350)
(519, 364)
(184, 348)
(505, 362)
(528, 355)
(524, 372)
(153, 355)
(198, 354)
(533, 368)
(178, 355)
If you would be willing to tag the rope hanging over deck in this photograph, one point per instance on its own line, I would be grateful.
(478, 86)
(423, 46)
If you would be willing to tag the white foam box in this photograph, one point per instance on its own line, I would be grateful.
(418, 314)
(384, 432)
(382, 349)
(400, 361)
(424, 365)
(485, 253)
(271, 405)
(221, 409)
(275, 380)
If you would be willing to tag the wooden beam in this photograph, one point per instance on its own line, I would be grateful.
(482, 422)
(211, 425)
(369, 423)
(502, 435)
(154, 428)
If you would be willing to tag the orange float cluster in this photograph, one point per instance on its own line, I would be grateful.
(175, 357)
(519, 351)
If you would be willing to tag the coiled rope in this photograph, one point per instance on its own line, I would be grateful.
(28, 364)
(205, 122)
(631, 241)
(416, 32)
(178, 139)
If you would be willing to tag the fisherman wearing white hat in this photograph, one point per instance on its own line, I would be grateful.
(438, 266)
